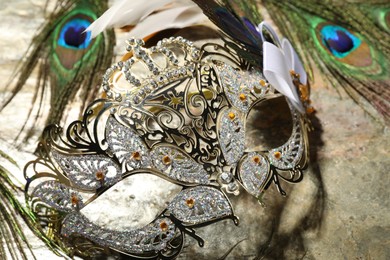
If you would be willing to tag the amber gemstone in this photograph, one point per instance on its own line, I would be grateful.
(163, 226)
(242, 97)
(263, 83)
(190, 202)
(74, 200)
(136, 156)
(166, 160)
(256, 159)
(100, 175)
(277, 155)
(231, 115)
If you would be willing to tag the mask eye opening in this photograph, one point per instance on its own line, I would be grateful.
(269, 124)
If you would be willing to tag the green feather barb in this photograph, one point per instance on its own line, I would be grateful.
(348, 42)
(69, 62)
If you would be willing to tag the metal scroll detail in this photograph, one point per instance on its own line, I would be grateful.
(254, 173)
(179, 114)
(287, 156)
(88, 171)
(201, 204)
(183, 114)
(178, 166)
(58, 196)
(152, 238)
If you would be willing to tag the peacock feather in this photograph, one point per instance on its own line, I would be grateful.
(13, 242)
(348, 42)
(69, 61)
(237, 26)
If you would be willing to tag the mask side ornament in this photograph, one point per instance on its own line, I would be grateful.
(173, 111)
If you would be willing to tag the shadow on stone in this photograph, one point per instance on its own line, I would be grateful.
(292, 245)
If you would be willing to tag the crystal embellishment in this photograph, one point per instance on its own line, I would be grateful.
(232, 135)
(173, 111)
(127, 146)
(208, 204)
(287, 156)
(178, 166)
(243, 88)
(83, 170)
(151, 238)
(254, 172)
(58, 196)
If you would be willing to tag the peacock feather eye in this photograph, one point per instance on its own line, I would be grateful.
(71, 42)
(339, 41)
(346, 46)
(73, 35)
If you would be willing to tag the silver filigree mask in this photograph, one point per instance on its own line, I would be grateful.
(172, 111)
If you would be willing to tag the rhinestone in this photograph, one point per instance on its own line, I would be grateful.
(100, 175)
(140, 42)
(277, 155)
(242, 97)
(166, 160)
(118, 97)
(190, 202)
(164, 226)
(131, 41)
(137, 99)
(256, 159)
(226, 177)
(232, 186)
(136, 156)
(74, 200)
(231, 116)
(147, 89)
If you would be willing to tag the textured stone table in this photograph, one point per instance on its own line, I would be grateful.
(341, 209)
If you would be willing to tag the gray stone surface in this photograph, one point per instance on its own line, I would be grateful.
(341, 209)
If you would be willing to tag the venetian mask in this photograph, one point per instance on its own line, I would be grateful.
(174, 113)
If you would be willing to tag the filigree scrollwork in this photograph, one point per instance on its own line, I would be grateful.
(180, 114)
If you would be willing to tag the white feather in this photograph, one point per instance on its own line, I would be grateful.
(169, 14)
(276, 71)
(178, 17)
(126, 12)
